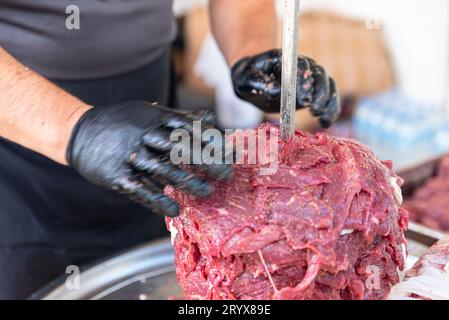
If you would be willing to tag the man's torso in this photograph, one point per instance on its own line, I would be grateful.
(49, 216)
(114, 36)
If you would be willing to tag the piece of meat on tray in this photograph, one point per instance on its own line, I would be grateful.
(429, 277)
(326, 225)
(429, 204)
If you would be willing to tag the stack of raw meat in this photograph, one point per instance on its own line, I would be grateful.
(430, 204)
(326, 225)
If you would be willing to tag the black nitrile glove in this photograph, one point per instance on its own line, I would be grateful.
(126, 147)
(257, 80)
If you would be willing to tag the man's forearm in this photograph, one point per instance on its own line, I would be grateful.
(243, 27)
(34, 112)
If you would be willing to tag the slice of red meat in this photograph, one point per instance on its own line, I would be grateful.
(430, 203)
(428, 279)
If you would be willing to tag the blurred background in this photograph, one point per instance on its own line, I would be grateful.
(390, 60)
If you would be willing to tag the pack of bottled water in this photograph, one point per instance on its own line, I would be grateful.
(393, 118)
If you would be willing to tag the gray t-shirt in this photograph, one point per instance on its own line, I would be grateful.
(114, 36)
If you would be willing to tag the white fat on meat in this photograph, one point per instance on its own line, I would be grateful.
(431, 284)
(346, 231)
(173, 232)
(397, 190)
(432, 281)
(409, 261)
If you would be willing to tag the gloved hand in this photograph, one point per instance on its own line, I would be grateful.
(126, 147)
(257, 80)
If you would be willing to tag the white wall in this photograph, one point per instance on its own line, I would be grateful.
(417, 35)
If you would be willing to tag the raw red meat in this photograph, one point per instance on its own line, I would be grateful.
(437, 257)
(322, 227)
(430, 203)
(428, 279)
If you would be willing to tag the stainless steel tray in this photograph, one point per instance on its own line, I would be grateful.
(148, 272)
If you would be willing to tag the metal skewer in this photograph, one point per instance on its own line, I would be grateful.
(289, 68)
